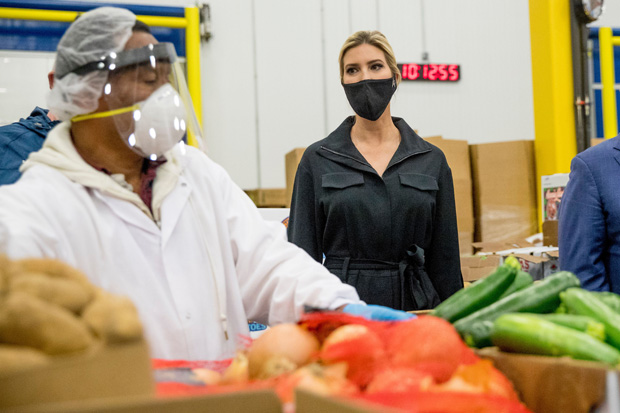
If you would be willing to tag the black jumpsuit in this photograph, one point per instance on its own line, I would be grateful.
(393, 237)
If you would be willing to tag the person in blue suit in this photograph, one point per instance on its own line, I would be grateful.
(589, 218)
(19, 139)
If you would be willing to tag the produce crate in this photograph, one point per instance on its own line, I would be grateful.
(122, 370)
(262, 401)
(307, 402)
(552, 384)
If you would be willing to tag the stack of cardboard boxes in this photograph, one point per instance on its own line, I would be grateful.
(457, 155)
(504, 186)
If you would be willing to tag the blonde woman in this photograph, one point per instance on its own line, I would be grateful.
(375, 199)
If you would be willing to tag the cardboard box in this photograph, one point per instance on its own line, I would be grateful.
(552, 190)
(268, 198)
(307, 402)
(466, 240)
(502, 247)
(538, 261)
(106, 371)
(457, 155)
(479, 266)
(552, 384)
(504, 182)
(538, 266)
(550, 233)
(258, 401)
(291, 161)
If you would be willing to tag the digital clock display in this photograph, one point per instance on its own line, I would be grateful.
(430, 72)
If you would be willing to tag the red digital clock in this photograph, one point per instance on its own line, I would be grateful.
(430, 72)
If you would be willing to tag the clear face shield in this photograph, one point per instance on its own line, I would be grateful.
(147, 98)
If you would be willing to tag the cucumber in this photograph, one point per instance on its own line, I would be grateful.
(542, 297)
(480, 294)
(522, 280)
(609, 298)
(527, 333)
(479, 334)
(579, 301)
(581, 323)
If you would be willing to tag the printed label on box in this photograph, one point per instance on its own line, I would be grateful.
(552, 187)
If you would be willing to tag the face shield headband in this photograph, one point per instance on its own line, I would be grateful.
(114, 61)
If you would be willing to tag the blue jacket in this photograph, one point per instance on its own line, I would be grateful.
(18, 139)
(589, 227)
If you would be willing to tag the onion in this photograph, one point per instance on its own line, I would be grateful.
(344, 333)
(237, 371)
(359, 347)
(281, 349)
(209, 377)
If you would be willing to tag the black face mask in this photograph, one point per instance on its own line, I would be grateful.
(370, 97)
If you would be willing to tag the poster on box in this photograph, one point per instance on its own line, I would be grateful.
(552, 187)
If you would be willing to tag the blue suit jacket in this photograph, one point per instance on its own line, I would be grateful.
(19, 139)
(589, 227)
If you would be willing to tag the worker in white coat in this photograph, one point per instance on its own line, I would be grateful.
(116, 193)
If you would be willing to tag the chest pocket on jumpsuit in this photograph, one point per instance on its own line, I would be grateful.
(341, 180)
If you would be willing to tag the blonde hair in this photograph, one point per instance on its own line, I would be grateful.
(373, 38)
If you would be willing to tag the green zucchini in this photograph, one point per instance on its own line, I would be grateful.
(527, 333)
(609, 298)
(542, 297)
(579, 301)
(480, 294)
(581, 323)
(522, 280)
(479, 334)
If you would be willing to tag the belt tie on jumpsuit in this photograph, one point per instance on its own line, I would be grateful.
(411, 274)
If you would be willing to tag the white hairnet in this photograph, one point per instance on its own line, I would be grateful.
(90, 38)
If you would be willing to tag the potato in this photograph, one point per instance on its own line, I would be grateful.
(113, 318)
(52, 267)
(67, 293)
(5, 269)
(14, 359)
(29, 321)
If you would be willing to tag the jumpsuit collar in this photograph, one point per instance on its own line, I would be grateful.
(339, 147)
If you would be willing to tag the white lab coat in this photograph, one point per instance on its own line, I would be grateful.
(197, 269)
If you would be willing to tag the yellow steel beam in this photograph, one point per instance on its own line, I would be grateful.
(163, 21)
(69, 16)
(192, 51)
(608, 82)
(552, 80)
(34, 14)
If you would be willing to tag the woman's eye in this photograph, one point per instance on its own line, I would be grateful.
(377, 66)
(351, 70)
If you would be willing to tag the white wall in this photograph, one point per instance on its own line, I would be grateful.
(291, 49)
(611, 15)
(270, 73)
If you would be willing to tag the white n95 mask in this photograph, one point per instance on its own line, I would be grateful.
(160, 123)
